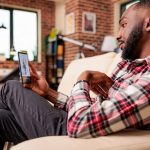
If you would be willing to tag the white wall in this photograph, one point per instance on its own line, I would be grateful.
(60, 16)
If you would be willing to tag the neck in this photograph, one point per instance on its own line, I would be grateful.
(145, 49)
(145, 53)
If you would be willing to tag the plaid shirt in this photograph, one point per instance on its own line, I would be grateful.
(128, 103)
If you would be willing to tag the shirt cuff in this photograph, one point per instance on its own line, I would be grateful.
(61, 100)
(81, 85)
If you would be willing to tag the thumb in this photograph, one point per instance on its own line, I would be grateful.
(29, 86)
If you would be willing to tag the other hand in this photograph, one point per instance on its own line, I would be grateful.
(38, 83)
(99, 82)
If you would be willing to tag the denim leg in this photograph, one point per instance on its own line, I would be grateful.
(34, 114)
(9, 129)
(2, 143)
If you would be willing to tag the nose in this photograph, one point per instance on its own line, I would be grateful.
(119, 35)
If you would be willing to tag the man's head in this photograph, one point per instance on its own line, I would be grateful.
(134, 34)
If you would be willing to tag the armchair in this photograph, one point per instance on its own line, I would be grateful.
(128, 139)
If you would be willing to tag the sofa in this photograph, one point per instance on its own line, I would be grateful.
(128, 139)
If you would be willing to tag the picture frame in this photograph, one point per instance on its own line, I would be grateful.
(70, 23)
(88, 22)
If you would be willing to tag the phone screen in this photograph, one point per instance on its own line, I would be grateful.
(24, 67)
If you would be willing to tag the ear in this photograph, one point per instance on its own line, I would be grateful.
(147, 24)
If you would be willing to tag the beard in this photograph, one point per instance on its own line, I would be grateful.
(131, 51)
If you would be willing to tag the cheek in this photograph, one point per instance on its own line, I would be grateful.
(126, 33)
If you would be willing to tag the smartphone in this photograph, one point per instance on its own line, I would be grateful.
(24, 68)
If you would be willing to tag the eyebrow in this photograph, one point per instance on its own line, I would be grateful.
(122, 19)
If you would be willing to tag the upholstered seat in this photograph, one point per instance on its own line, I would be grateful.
(129, 139)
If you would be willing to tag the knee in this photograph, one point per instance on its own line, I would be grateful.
(10, 87)
(13, 83)
(4, 116)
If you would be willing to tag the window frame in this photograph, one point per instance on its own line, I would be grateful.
(38, 13)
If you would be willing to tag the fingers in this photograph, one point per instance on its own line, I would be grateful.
(34, 76)
(100, 83)
(104, 86)
(32, 68)
(108, 83)
(29, 86)
(32, 84)
(100, 91)
(33, 72)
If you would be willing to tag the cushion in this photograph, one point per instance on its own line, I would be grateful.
(76, 67)
(129, 139)
(113, 65)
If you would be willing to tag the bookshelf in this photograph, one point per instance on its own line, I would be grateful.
(54, 62)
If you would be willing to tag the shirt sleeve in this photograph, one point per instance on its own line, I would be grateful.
(62, 99)
(128, 107)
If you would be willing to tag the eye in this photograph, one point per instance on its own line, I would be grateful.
(123, 25)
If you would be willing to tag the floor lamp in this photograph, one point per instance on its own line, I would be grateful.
(81, 45)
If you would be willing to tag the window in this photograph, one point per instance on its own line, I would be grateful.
(5, 34)
(21, 32)
(125, 6)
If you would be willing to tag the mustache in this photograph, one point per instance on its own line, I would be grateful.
(120, 42)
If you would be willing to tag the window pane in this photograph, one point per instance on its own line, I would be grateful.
(5, 33)
(25, 32)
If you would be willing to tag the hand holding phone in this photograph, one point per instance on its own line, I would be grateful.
(24, 68)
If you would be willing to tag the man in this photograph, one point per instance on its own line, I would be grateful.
(124, 101)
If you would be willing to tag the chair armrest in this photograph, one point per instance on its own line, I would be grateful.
(95, 63)
(129, 139)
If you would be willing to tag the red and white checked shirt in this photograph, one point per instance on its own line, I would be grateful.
(128, 103)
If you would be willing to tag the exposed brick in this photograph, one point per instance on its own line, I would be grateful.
(47, 22)
(104, 25)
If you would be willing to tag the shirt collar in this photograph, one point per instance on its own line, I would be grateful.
(143, 60)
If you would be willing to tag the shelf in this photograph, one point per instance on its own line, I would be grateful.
(55, 62)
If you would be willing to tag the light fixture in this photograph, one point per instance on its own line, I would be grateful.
(2, 26)
(109, 44)
(81, 45)
(80, 53)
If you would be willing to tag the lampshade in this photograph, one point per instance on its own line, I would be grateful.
(109, 44)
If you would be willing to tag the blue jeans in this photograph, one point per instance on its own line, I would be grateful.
(26, 115)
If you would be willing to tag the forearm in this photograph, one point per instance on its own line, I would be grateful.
(84, 76)
(52, 96)
(98, 82)
(87, 119)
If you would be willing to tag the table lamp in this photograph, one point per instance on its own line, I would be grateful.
(109, 44)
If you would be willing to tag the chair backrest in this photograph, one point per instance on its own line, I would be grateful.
(100, 63)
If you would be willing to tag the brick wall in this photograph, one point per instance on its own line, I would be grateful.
(47, 22)
(104, 24)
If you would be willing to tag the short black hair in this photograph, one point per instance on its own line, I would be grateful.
(143, 4)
